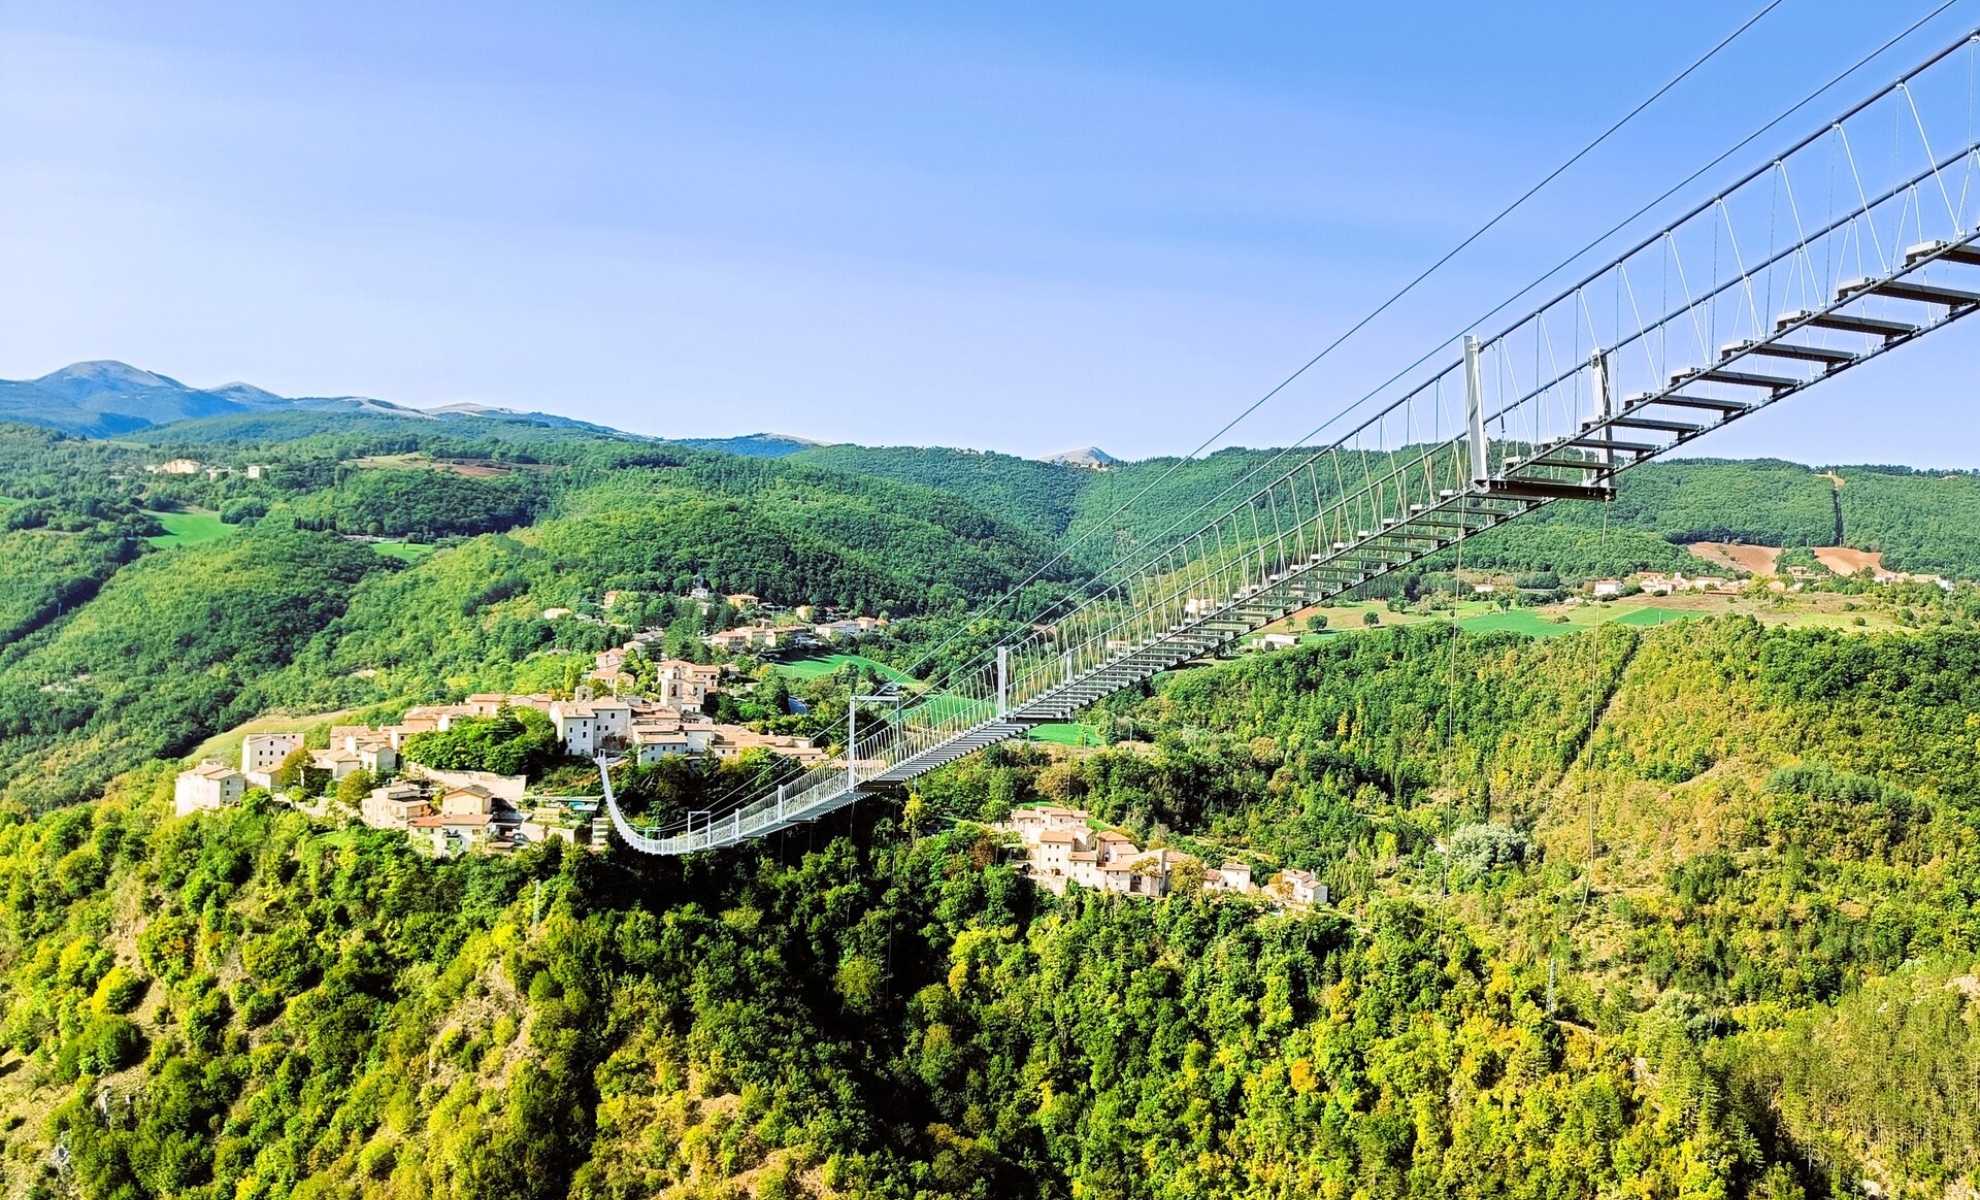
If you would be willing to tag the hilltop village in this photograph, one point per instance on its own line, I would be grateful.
(631, 706)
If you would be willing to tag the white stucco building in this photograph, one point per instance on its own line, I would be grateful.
(208, 787)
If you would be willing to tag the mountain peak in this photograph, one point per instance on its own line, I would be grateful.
(105, 375)
(1092, 457)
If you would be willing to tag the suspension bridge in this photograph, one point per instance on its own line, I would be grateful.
(1853, 242)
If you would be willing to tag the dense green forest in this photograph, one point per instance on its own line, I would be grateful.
(1779, 915)
(1672, 911)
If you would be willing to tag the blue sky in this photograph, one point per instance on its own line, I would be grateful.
(1021, 227)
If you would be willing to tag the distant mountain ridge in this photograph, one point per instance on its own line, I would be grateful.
(107, 399)
(754, 445)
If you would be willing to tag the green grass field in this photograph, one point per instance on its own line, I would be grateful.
(190, 528)
(1480, 616)
(411, 552)
(1518, 620)
(1534, 624)
(825, 664)
(1066, 733)
(1652, 616)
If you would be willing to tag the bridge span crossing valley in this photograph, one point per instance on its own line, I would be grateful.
(1538, 763)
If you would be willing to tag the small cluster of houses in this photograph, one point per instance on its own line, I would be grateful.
(351, 748)
(446, 813)
(677, 683)
(1796, 578)
(1669, 585)
(441, 812)
(647, 729)
(214, 785)
(1064, 846)
(1882, 575)
(770, 627)
(748, 638)
(188, 466)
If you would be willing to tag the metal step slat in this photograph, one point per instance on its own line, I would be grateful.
(1549, 489)
(1611, 444)
(1657, 425)
(1814, 354)
(1567, 464)
(1684, 401)
(1907, 289)
(1846, 323)
(1775, 383)
(1964, 253)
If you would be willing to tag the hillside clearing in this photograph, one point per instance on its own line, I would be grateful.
(1754, 560)
(1844, 561)
(1813, 609)
(190, 528)
(825, 664)
(1067, 733)
(473, 468)
(411, 552)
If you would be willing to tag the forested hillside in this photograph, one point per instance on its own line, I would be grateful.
(117, 651)
(1778, 919)
(1920, 521)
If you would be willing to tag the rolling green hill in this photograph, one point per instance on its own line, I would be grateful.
(1042, 497)
(166, 653)
(252, 595)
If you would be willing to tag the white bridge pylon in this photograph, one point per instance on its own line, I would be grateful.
(1854, 241)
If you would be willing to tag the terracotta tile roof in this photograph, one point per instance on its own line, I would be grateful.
(439, 820)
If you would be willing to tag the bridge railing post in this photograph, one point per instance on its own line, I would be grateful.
(1474, 414)
(1604, 409)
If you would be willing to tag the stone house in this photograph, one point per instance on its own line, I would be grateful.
(589, 727)
(1299, 887)
(208, 787)
(356, 748)
(394, 806)
(262, 755)
(1231, 877)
